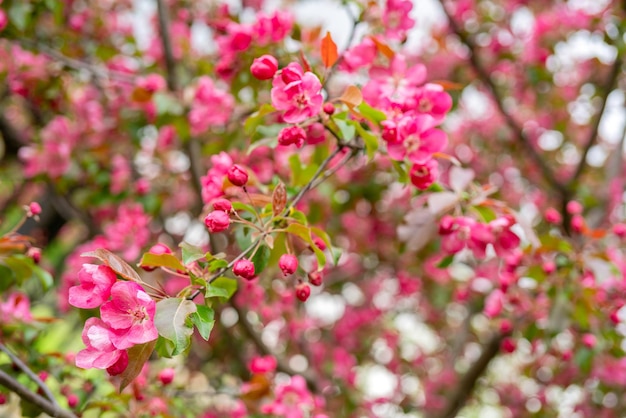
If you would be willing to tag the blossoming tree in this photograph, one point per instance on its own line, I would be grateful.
(228, 209)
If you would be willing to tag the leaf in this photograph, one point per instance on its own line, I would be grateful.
(20, 14)
(171, 321)
(305, 62)
(370, 140)
(347, 129)
(118, 265)
(257, 118)
(226, 283)
(438, 203)
(161, 260)
(371, 114)
(304, 232)
(261, 258)
(214, 292)
(191, 253)
(383, 48)
(204, 320)
(352, 97)
(44, 277)
(329, 51)
(446, 261)
(279, 199)
(137, 357)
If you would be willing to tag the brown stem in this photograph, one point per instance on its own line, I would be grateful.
(166, 43)
(465, 388)
(27, 395)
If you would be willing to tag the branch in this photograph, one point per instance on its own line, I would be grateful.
(166, 43)
(610, 84)
(484, 77)
(465, 388)
(27, 395)
(23, 367)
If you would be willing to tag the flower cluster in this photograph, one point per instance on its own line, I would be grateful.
(126, 319)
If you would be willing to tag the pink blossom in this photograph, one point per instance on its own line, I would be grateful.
(417, 138)
(297, 93)
(395, 86)
(292, 135)
(264, 67)
(423, 175)
(130, 313)
(272, 29)
(223, 205)
(4, 20)
(396, 18)
(237, 175)
(359, 56)
(129, 232)
(458, 233)
(244, 268)
(95, 286)
(212, 183)
(17, 307)
(505, 240)
(432, 99)
(494, 303)
(100, 352)
(265, 364)
(293, 400)
(211, 106)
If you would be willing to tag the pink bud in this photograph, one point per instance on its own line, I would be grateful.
(574, 208)
(329, 108)
(3, 399)
(244, 269)
(217, 221)
(578, 223)
(315, 278)
(552, 216)
(589, 340)
(315, 133)
(506, 326)
(423, 175)
(549, 267)
(264, 67)
(303, 291)
(288, 263)
(508, 345)
(292, 135)
(35, 254)
(4, 20)
(237, 175)
(34, 208)
(266, 364)
(619, 230)
(319, 243)
(166, 376)
(494, 303)
(223, 205)
(72, 400)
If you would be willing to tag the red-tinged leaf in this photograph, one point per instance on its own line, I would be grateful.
(329, 51)
(161, 260)
(352, 97)
(305, 62)
(448, 85)
(257, 388)
(137, 357)
(383, 48)
(279, 199)
(448, 157)
(141, 95)
(118, 265)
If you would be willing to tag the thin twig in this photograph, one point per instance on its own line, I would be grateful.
(166, 43)
(518, 133)
(26, 394)
(23, 367)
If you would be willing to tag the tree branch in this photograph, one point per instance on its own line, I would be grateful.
(484, 77)
(465, 388)
(166, 43)
(609, 85)
(27, 395)
(23, 367)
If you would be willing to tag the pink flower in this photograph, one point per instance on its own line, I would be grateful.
(166, 376)
(292, 135)
(264, 67)
(315, 133)
(4, 20)
(297, 93)
(129, 232)
(223, 205)
(396, 18)
(100, 352)
(288, 263)
(423, 175)
(95, 286)
(303, 291)
(17, 307)
(394, 86)
(266, 364)
(458, 233)
(293, 400)
(494, 303)
(217, 221)
(272, 29)
(432, 99)
(505, 239)
(417, 138)
(130, 313)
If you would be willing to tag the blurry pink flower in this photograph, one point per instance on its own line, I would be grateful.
(95, 286)
(265, 364)
(293, 400)
(130, 313)
(17, 307)
(100, 352)
(417, 139)
(396, 18)
(297, 93)
(292, 135)
(494, 303)
(423, 175)
(458, 233)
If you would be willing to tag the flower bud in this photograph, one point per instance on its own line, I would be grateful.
(552, 216)
(237, 175)
(223, 205)
(34, 209)
(315, 133)
(292, 135)
(423, 175)
(72, 400)
(508, 345)
(166, 376)
(217, 221)
(319, 243)
(315, 278)
(619, 230)
(244, 269)
(264, 67)
(288, 263)
(329, 108)
(4, 20)
(574, 208)
(35, 254)
(303, 291)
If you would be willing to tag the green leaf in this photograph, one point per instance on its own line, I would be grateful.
(260, 259)
(298, 216)
(370, 140)
(204, 320)
(243, 206)
(161, 260)
(217, 264)
(191, 253)
(8, 279)
(227, 284)
(257, 118)
(347, 129)
(304, 232)
(167, 104)
(20, 13)
(137, 357)
(445, 262)
(21, 266)
(214, 292)
(486, 213)
(44, 277)
(402, 175)
(371, 114)
(164, 347)
(171, 321)
(584, 359)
